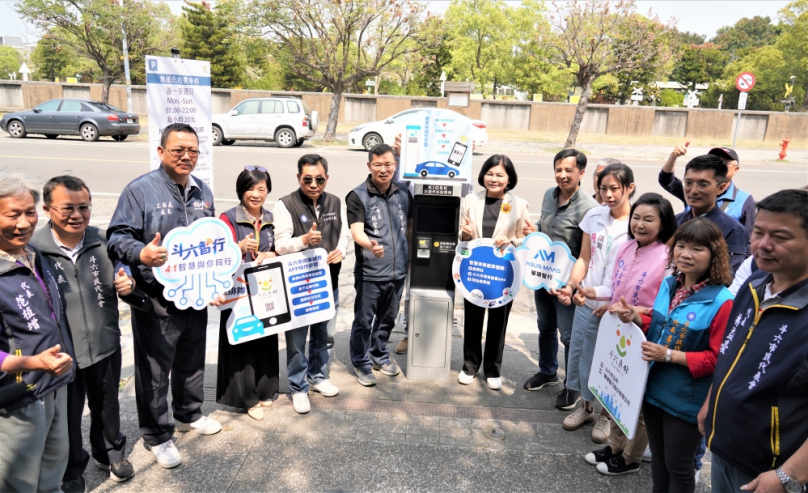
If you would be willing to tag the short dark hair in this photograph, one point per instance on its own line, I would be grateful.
(71, 183)
(709, 162)
(176, 127)
(495, 161)
(622, 173)
(580, 158)
(379, 150)
(311, 160)
(702, 231)
(665, 211)
(250, 178)
(791, 201)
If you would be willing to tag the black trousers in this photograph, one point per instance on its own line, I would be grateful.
(494, 338)
(673, 443)
(168, 341)
(99, 384)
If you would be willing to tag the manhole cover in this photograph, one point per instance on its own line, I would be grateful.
(495, 434)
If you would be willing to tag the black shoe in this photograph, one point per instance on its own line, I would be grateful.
(601, 455)
(617, 466)
(567, 399)
(75, 485)
(540, 380)
(118, 471)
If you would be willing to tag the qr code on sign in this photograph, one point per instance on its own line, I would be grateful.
(269, 306)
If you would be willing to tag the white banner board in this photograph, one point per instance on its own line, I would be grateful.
(178, 91)
(436, 147)
(486, 275)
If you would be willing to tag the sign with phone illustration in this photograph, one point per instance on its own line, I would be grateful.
(201, 259)
(545, 264)
(280, 294)
(485, 274)
(436, 147)
(619, 373)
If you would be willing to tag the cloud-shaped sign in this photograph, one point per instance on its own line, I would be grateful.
(545, 264)
(201, 259)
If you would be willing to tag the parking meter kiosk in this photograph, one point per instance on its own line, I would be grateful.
(430, 318)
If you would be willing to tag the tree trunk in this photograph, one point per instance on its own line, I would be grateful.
(333, 114)
(106, 83)
(579, 114)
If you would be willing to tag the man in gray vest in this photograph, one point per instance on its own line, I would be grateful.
(380, 216)
(311, 218)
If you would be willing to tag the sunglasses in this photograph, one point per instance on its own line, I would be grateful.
(308, 179)
(253, 168)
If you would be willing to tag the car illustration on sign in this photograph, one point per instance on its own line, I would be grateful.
(247, 326)
(436, 168)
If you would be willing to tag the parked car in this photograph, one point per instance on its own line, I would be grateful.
(287, 121)
(367, 135)
(89, 119)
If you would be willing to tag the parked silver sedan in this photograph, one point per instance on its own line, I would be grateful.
(88, 119)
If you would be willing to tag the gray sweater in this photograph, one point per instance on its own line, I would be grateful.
(562, 223)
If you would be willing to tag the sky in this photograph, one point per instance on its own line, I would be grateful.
(699, 16)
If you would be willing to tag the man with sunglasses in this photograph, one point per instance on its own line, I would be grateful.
(167, 340)
(90, 285)
(311, 218)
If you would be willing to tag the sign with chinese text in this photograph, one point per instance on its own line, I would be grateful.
(436, 147)
(484, 274)
(201, 259)
(618, 371)
(545, 264)
(279, 294)
(178, 91)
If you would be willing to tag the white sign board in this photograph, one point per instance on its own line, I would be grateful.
(436, 147)
(280, 294)
(742, 97)
(178, 91)
(545, 264)
(619, 373)
(486, 275)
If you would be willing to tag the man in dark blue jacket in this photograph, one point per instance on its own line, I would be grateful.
(755, 417)
(167, 339)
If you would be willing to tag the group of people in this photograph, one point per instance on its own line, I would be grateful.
(717, 289)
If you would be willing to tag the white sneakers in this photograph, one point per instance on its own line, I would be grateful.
(300, 402)
(494, 383)
(256, 412)
(464, 379)
(326, 388)
(203, 426)
(166, 454)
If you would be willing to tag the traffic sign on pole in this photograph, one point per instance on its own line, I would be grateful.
(745, 81)
(742, 100)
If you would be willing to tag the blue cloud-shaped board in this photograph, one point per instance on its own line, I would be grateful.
(535, 242)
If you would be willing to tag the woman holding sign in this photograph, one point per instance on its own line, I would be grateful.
(248, 373)
(498, 214)
(685, 329)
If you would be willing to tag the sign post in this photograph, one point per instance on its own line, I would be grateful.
(744, 83)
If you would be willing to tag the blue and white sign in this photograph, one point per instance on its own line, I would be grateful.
(178, 91)
(279, 294)
(201, 259)
(484, 274)
(545, 264)
(436, 147)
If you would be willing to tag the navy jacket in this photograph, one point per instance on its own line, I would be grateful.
(734, 234)
(148, 205)
(758, 408)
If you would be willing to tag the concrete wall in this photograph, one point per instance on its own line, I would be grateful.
(710, 124)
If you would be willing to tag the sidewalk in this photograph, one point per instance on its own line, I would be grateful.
(398, 436)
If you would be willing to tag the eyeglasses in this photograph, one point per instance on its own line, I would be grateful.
(702, 185)
(69, 210)
(383, 165)
(181, 152)
(319, 180)
(253, 168)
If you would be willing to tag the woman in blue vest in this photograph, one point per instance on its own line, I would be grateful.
(684, 333)
(248, 373)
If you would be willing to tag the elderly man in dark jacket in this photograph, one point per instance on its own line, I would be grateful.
(88, 282)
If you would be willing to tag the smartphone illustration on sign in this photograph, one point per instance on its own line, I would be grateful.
(412, 148)
(457, 154)
(266, 290)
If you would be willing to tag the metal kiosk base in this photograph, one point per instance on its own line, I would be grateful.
(429, 356)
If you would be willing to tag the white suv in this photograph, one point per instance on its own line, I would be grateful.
(287, 121)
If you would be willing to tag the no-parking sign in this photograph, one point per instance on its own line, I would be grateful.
(745, 81)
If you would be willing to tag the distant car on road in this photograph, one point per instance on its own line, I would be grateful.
(435, 168)
(86, 118)
(287, 121)
(367, 135)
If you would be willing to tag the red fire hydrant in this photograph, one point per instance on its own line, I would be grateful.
(784, 146)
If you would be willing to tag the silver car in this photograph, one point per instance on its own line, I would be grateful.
(287, 121)
(88, 119)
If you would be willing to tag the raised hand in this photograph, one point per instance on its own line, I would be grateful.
(314, 237)
(53, 361)
(376, 249)
(468, 230)
(528, 228)
(681, 150)
(624, 312)
(153, 254)
(123, 283)
(248, 244)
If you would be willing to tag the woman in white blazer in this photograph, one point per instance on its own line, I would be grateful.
(491, 213)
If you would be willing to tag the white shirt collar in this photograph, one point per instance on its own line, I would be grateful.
(73, 253)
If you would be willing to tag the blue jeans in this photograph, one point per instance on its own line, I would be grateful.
(700, 454)
(375, 311)
(321, 345)
(726, 478)
(582, 350)
(552, 316)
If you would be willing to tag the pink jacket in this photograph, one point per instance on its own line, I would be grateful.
(638, 272)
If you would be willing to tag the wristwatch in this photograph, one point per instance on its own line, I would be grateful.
(790, 485)
(668, 356)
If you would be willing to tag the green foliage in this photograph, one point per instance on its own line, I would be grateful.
(699, 63)
(745, 36)
(671, 98)
(10, 61)
(793, 43)
(207, 36)
(49, 59)
(429, 63)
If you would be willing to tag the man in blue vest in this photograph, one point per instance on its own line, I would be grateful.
(380, 216)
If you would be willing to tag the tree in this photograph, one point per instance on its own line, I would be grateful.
(94, 29)
(10, 61)
(434, 59)
(794, 44)
(598, 37)
(49, 58)
(207, 36)
(699, 63)
(745, 36)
